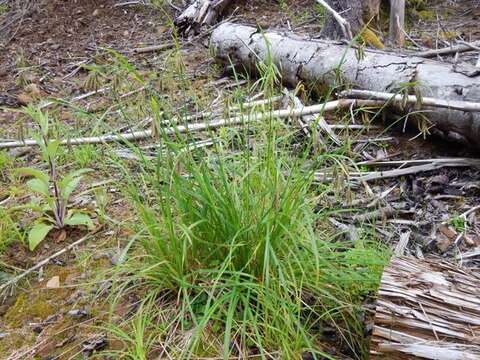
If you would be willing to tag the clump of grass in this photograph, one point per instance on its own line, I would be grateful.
(235, 242)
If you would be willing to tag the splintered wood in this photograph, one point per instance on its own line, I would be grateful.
(428, 309)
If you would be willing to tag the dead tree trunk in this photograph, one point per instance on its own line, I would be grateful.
(200, 13)
(323, 63)
(397, 22)
(356, 12)
(427, 309)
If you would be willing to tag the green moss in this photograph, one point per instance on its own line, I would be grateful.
(426, 15)
(24, 309)
(369, 37)
(3, 9)
(417, 4)
(15, 341)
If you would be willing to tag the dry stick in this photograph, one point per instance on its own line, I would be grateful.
(402, 243)
(473, 46)
(382, 213)
(464, 161)
(153, 48)
(237, 120)
(344, 24)
(409, 170)
(463, 47)
(44, 262)
(412, 99)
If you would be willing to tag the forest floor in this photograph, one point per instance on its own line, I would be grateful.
(76, 61)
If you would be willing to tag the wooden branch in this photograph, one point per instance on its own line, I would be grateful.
(233, 121)
(397, 22)
(376, 175)
(344, 24)
(153, 48)
(463, 47)
(427, 309)
(412, 99)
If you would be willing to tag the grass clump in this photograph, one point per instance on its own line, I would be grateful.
(232, 245)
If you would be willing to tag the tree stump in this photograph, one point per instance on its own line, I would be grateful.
(427, 309)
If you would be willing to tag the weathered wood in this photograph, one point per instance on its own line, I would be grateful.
(326, 63)
(355, 12)
(397, 22)
(427, 309)
(200, 13)
(351, 11)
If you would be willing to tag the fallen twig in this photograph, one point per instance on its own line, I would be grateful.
(412, 99)
(382, 213)
(402, 243)
(153, 48)
(463, 47)
(233, 121)
(344, 24)
(416, 169)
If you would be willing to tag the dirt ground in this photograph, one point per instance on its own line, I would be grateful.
(45, 58)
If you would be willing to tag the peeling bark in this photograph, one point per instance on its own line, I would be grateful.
(331, 64)
(427, 309)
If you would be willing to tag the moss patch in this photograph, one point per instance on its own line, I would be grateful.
(25, 309)
(369, 37)
(426, 15)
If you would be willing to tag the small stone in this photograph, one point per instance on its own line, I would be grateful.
(33, 89)
(443, 243)
(96, 12)
(53, 283)
(78, 313)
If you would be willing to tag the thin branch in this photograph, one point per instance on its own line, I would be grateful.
(233, 121)
(412, 99)
(463, 47)
(344, 24)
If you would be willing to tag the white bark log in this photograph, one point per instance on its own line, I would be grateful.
(427, 309)
(326, 63)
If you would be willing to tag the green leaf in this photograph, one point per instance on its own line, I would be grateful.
(70, 182)
(35, 173)
(80, 219)
(37, 234)
(38, 186)
(52, 148)
(43, 147)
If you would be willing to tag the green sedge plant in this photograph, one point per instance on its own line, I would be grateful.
(54, 190)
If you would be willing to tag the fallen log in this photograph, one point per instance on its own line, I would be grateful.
(326, 63)
(427, 309)
(200, 13)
